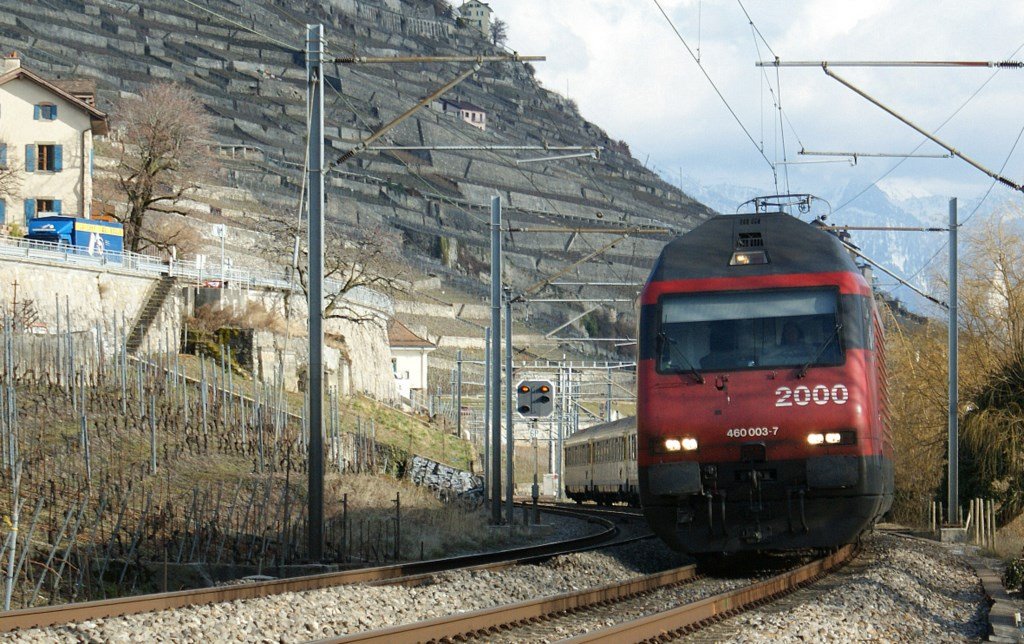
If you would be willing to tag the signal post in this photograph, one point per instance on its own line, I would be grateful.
(535, 399)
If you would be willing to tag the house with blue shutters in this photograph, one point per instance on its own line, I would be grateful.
(46, 137)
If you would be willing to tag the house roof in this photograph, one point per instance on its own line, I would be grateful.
(399, 336)
(463, 105)
(475, 2)
(99, 119)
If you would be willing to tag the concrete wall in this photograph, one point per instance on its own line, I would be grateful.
(94, 296)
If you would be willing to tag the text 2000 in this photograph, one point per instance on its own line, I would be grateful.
(817, 394)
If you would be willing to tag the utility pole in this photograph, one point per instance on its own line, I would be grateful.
(495, 358)
(953, 513)
(315, 302)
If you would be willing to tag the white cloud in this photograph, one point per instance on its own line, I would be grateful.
(630, 75)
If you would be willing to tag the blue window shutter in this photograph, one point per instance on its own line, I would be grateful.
(36, 111)
(3, 154)
(58, 158)
(53, 112)
(56, 206)
(30, 209)
(30, 158)
(3, 211)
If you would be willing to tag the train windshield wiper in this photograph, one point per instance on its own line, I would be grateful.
(662, 339)
(824, 345)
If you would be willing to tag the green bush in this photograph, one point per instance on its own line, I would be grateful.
(1013, 578)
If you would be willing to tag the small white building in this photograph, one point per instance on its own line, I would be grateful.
(408, 358)
(477, 14)
(46, 135)
(472, 114)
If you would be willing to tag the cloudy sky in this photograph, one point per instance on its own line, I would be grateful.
(631, 75)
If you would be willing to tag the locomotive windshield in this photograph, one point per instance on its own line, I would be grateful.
(743, 330)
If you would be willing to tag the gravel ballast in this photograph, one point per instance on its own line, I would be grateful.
(899, 589)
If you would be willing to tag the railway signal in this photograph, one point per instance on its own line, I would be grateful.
(535, 398)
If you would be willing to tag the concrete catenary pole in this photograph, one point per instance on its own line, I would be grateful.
(458, 394)
(315, 181)
(495, 357)
(488, 486)
(953, 502)
(510, 435)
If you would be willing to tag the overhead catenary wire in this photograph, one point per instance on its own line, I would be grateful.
(959, 109)
(952, 150)
(507, 162)
(271, 39)
(714, 86)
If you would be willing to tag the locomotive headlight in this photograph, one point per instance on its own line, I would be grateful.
(816, 439)
(673, 445)
(833, 438)
(689, 444)
(745, 258)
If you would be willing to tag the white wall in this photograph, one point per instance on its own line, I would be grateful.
(72, 130)
(410, 369)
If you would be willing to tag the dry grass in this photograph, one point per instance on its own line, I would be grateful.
(429, 527)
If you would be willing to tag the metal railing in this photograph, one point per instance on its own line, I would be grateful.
(203, 274)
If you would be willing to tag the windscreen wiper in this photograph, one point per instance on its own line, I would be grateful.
(824, 345)
(662, 338)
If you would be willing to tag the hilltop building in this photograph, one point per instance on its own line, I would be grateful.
(46, 135)
(477, 14)
(472, 114)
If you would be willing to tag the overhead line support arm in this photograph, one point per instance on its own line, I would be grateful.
(856, 251)
(994, 175)
(372, 60)
(544, 282)
(1002, 64)
(405, 115)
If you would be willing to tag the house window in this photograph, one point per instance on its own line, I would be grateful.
(45, 112)
(44, 158)
(45, 206)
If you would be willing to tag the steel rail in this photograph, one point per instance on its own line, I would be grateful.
(38, 617)
(692, 616)
(488, 619)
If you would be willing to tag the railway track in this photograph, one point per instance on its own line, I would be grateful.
(411, 573)
(520, 621)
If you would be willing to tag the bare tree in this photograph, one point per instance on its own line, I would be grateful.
(10, 181)
(358, 259)
(499, 32)
(162, 153)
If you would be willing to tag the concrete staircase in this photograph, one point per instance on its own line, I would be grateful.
(154, 303)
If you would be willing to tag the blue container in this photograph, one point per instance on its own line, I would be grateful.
(92, 237)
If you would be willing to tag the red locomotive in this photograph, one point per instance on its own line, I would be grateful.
(762, 405)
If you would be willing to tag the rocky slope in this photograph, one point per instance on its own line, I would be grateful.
(254, 86)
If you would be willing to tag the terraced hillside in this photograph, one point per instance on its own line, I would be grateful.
(254, 86)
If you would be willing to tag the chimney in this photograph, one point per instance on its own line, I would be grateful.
(11, 62)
